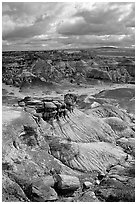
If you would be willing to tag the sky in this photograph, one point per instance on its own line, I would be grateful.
(64, 25)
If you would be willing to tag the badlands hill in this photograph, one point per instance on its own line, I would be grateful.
(74, 67)
(79, 158)
(75, 149)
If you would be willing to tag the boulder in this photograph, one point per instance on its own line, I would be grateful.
(9, 82)
(112, 190)
(29, 137)
(49, 106)
(42, 192)
(11, 191)
(87, 184)
(57, 104)
(95, 104)
(48, 180)
(21, 103)
(66, 182)
(88, 196)
(67, 199)
(27, 98)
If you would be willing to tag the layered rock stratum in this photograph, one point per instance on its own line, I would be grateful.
(94, 143)
(68, 126)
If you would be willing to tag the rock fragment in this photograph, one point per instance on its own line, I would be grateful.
(66, 182)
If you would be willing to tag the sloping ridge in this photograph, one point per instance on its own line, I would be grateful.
(80, 127)
(87, 157)
(85, 143)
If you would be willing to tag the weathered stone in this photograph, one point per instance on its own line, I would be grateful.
(98, 74)
(128, 144)
(45, 180)
(42, 193)
(95, 104)
(33, 103)
(97, 182)
(21, 104)
(87, 184)
(94, 156)
(107, 110)
(49, 105)
(84, 128)
(11, 191)
(66, 182)
(88, 196)
(119, 178)
(68, 199)
(111, 190)
(120, 127)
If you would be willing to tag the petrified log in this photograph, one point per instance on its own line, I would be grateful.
(66, 182)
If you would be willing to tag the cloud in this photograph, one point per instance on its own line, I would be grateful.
(80, 27)
(27, 25)
(94, 40)
(102, 19)
(25, 31)
(27, 19)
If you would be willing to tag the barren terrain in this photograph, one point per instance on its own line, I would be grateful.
(78, 128)
(68, 127)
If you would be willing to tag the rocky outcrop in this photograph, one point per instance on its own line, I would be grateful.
(120, 75)
(57, 66)
(67, 183)
(88, 195)
(98, 74)
(112, 190)
(11, 191)
(119, 185)
(107, 110)
(80, 127)
(128, 144)
(118, 94)
(120, 127)
(129, 65)
(42, 191)
(71, 123)
(87, 157)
